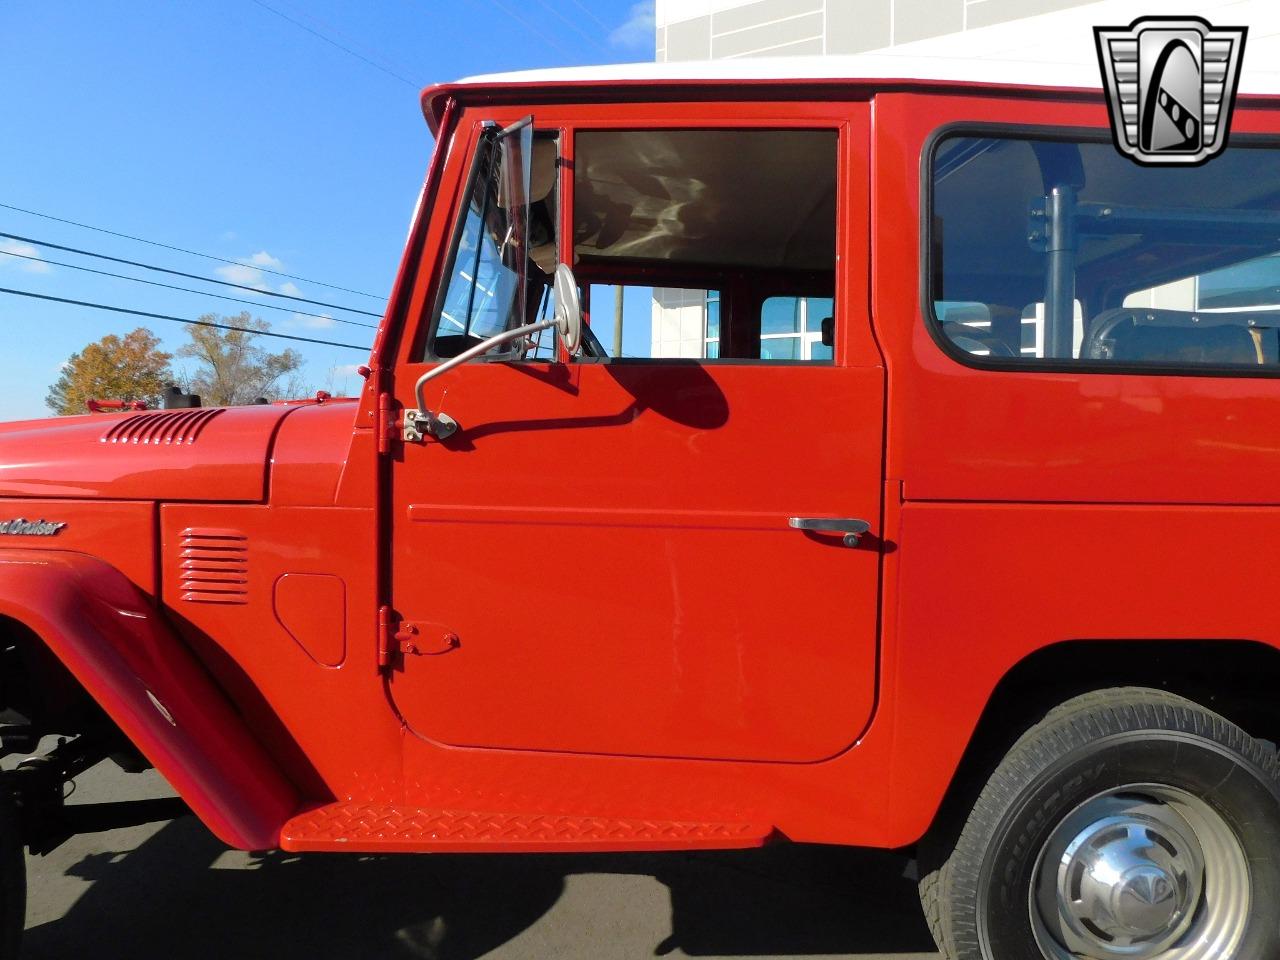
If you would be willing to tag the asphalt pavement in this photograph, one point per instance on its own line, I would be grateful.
(171, 891)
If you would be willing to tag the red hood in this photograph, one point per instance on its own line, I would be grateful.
(203, 454)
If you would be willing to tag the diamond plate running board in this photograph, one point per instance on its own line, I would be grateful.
(385, 828)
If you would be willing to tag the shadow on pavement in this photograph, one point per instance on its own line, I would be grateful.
(172, 898)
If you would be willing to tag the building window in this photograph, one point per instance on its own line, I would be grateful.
(791, 328)
(711, 339)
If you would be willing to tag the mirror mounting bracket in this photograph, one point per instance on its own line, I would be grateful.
(420, 424)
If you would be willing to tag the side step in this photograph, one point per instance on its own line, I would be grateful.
(384, 828)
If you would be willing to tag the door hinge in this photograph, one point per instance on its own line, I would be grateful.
(386, 423)
(396, 636)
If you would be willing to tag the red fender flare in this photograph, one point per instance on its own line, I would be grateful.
(114, 641)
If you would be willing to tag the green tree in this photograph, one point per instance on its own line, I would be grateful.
(132, 367)
(231, 369)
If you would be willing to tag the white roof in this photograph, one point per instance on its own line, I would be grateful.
(1050, 50)
(866, 66)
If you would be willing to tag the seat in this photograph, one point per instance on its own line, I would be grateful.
(1138, 335)
(1207, 345)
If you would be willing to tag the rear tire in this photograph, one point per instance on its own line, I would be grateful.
(1129, 823)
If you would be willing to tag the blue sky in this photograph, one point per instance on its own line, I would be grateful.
(220, 126)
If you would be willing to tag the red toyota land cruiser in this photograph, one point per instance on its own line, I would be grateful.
(828, 451)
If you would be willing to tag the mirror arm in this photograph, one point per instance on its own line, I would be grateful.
(422, 422)
(515, 127)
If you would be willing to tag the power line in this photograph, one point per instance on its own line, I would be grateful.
(189, 276)
(532, 28)
(165, 316)
(587, 11)
(316, 33)
(333, 29)
(203, 293)
(193, 253)
(571, 25)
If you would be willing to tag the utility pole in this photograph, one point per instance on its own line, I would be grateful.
(617, 321)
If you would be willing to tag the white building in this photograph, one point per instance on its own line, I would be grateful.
(719, 29)
(1036, 31)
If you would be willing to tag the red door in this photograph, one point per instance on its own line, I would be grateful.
(610, 542)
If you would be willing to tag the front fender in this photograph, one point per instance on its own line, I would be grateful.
(114, 642)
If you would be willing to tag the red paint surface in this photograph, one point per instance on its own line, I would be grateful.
(80, 457)
(605, 542)
(644, 595)
(958, 433)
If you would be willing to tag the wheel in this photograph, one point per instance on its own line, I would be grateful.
(13, 883)
(1130, 824)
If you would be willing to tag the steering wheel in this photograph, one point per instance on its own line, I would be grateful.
(591, 345)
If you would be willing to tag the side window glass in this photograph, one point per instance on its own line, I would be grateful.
(1054, 250)
(979, 330)
(651, 323)
(692, 227)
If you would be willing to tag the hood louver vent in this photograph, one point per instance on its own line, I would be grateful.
(214, 566)
(171, 427)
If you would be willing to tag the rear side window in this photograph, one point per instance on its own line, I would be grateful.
(1060, 251)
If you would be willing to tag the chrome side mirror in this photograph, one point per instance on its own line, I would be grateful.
(568, 315)
(567, 321)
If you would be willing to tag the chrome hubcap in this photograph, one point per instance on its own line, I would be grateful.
(1128, 883)
(1145, 872)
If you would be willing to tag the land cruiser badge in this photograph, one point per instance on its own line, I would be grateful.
(29, 528)
(1171, 84)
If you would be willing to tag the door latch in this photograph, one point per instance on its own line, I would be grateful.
(852, 528)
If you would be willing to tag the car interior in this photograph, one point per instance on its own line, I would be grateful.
(748, 216)
(707, 244)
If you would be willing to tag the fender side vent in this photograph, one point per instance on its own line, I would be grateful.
(213, 566)
(169, 427)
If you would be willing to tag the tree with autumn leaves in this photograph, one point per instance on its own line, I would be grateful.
(230, 368)
(132, 367)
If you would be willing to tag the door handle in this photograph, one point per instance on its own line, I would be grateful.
(852, 528)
